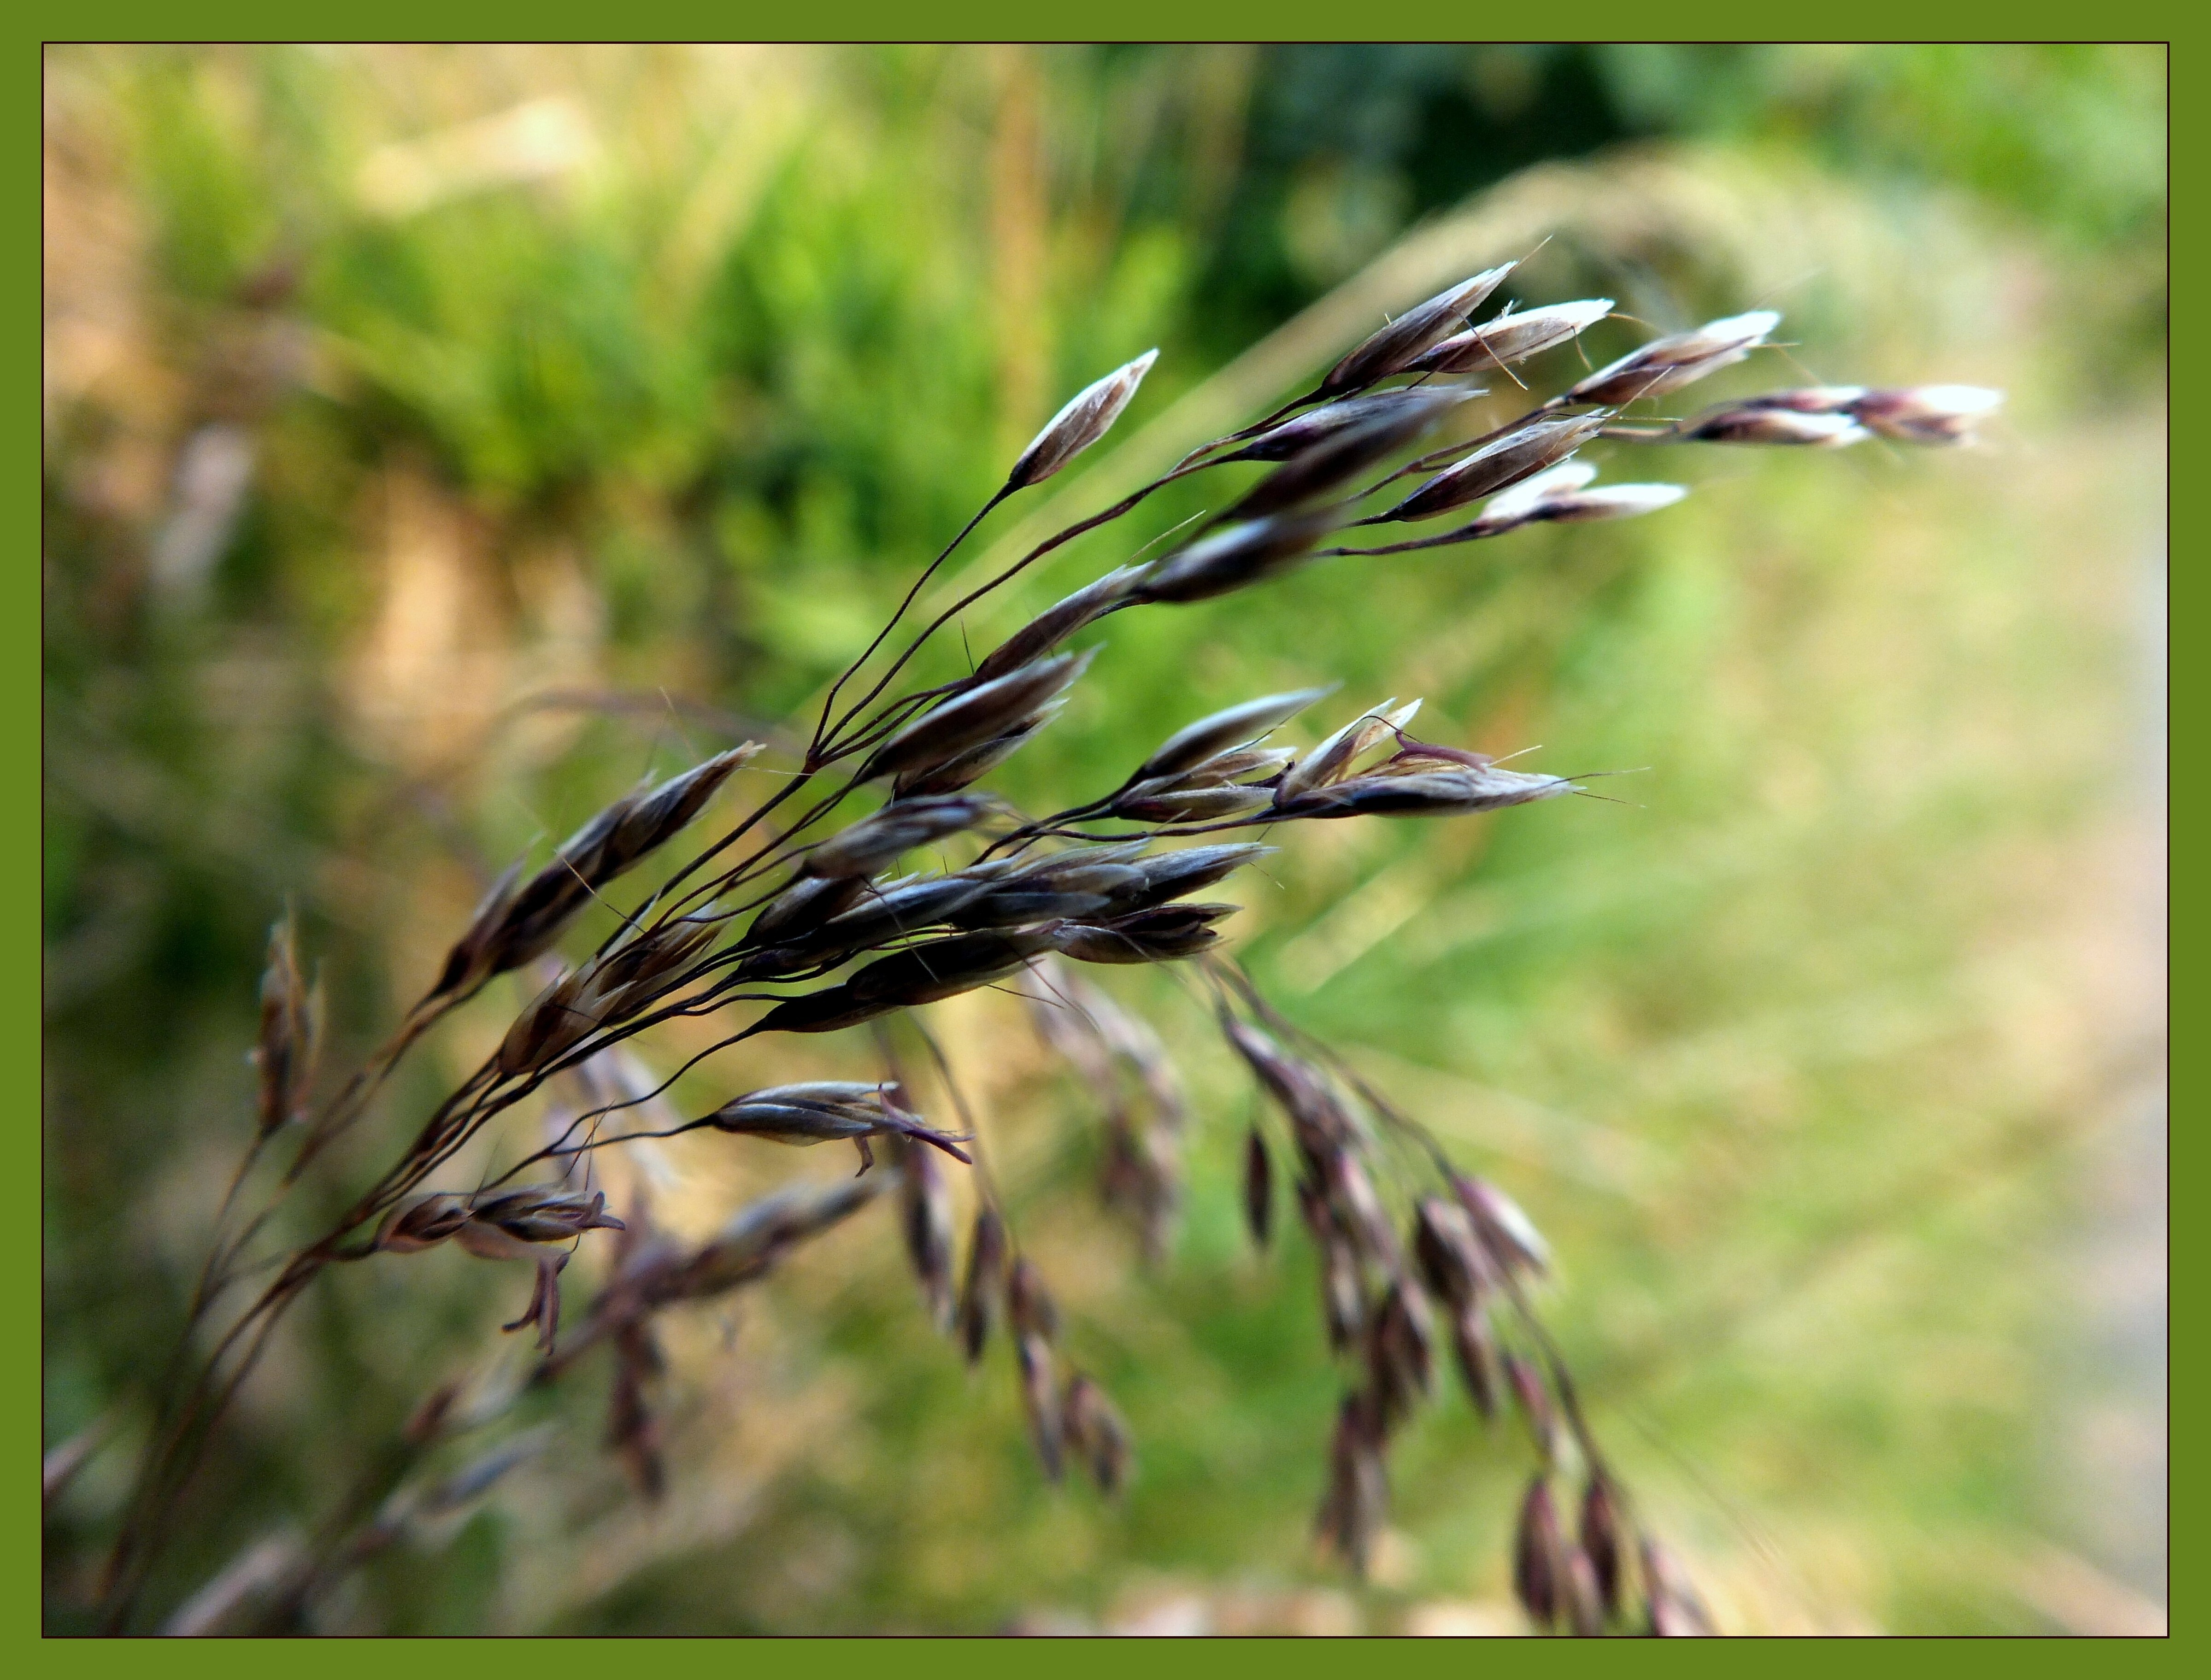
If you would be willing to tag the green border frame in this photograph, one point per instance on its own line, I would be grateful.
(1130, 20)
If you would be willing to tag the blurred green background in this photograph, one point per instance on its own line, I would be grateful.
(437, 439)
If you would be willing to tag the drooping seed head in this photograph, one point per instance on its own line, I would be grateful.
(1088, 416)
(1395, 347)
(1580, 1594)
(1667, 364)
(1809, 399)
(1358, 1499)
(1017, 903)
(830, 1010)
(893, 912)
(1029, 1306)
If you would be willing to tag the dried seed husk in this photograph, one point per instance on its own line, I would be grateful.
(1094, 1428)
(1194, 805)
(1667, 364)
(985, 1282)
(542, 1214)
(1250, 767)
(1232, 726)
(1935, 414)
(1606, 501)
(822, 1111)
(1603, 1538)
(1449, 1252)
(1518, 455)
(1040, 1400)
(1337, 459)
(1513, 337)
(1583, 1600)
(1747, 423)
(758, 1236)
(1088, 415)
(1539, 1554)
(977, 762)
(1046, 632)
(1396, 345)
(1669, 1599)
(1399, 1359)
(1231, 556)
(1506, 1230)
(1258, 1189)
(926, 1222)
(825, 1011)
(1533, 1399)
(1166, 876)
(1358, 1499)
(291, 1032)
(1318, 425)
(1474, 1345)
(869, 845)
(1019, 905)
(944, 968)
(421, 1222)
(1442, 793)
(1029, 1306)
(1167, 934)
(1328, 762)
(803, 906)
(515, 924)
(904, 907)
(975, 715)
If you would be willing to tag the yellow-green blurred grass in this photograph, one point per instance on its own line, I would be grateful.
(1793, 1054)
